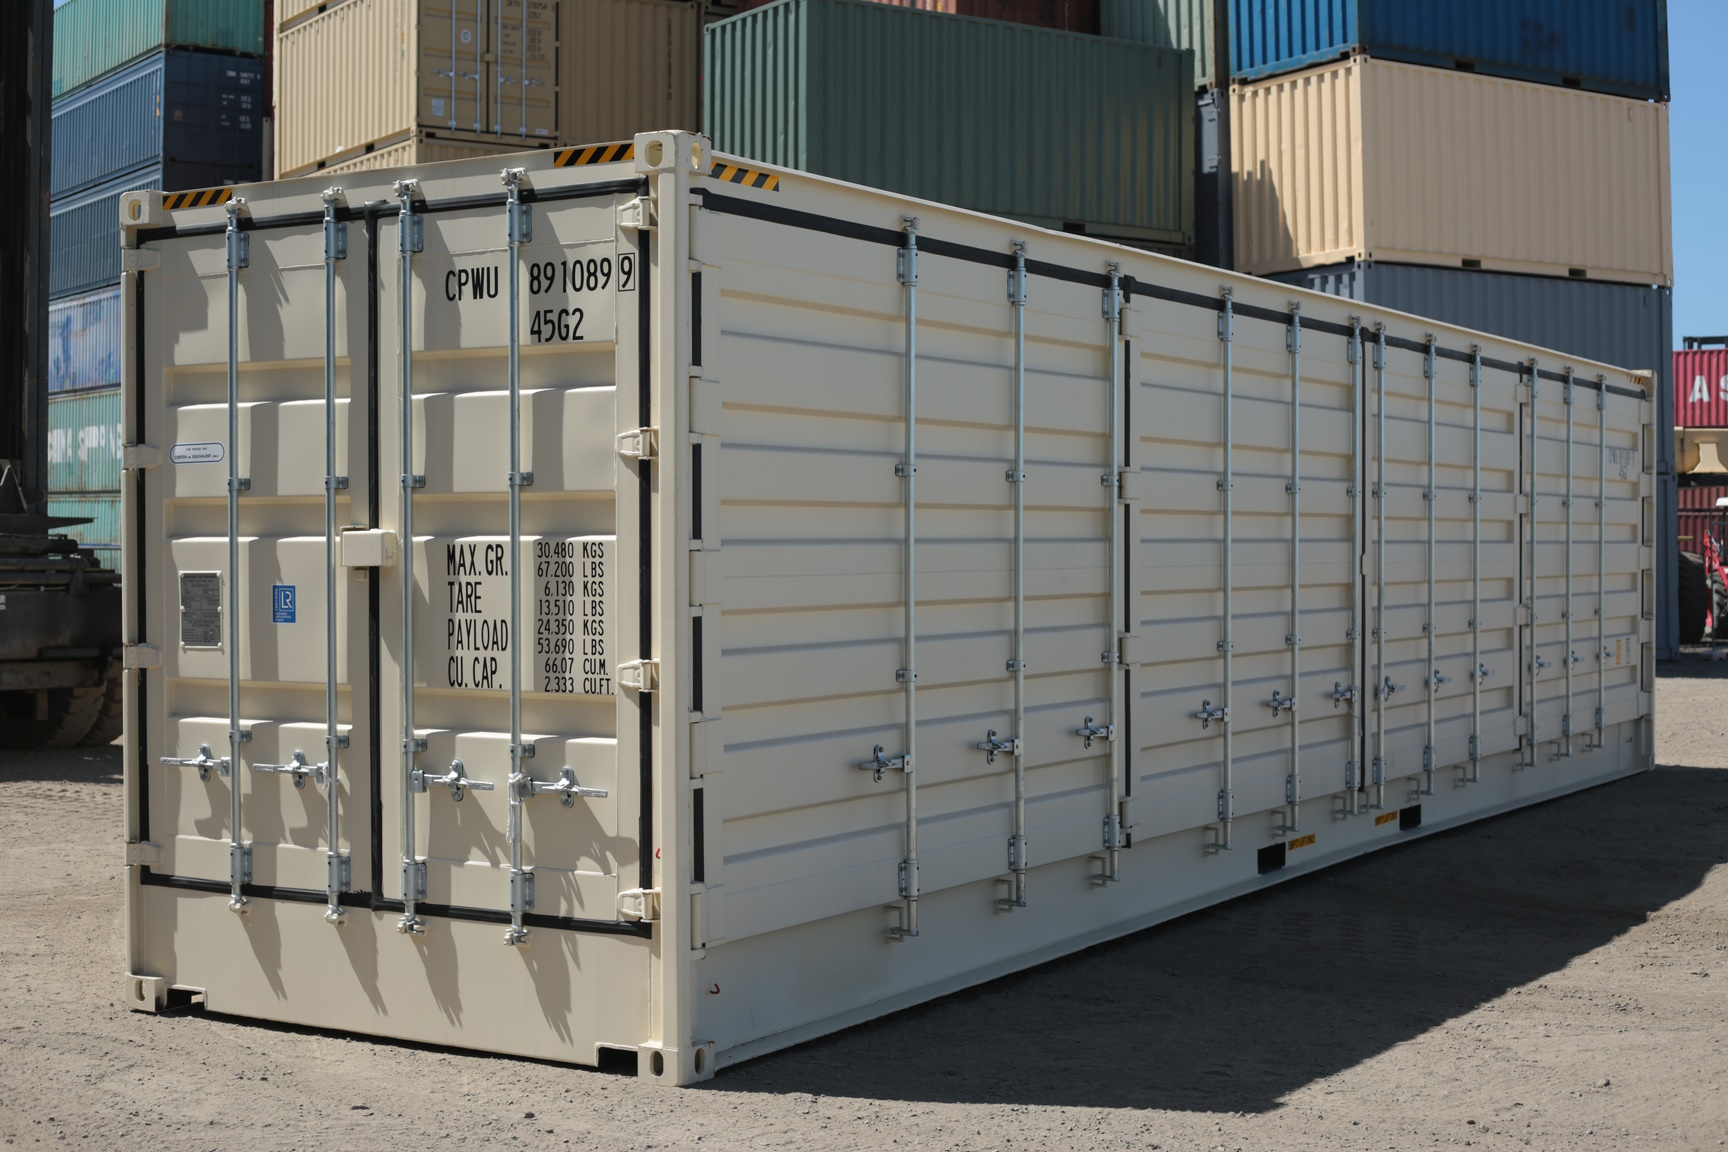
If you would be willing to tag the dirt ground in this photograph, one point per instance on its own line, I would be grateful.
(1556, 978)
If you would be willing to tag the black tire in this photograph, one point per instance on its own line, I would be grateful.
(111, 718)
(1719, 605)
(1693, 597)
(71, 712)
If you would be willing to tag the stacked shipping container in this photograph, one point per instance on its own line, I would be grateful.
(368, 84)
(1701, 413)
(1701, 466)
(1079, 133)
(148, 94)
(1422, 157)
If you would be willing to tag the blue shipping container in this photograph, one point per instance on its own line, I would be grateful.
(84, 235)
(84, 341)
(199, 115)
(1615, 46)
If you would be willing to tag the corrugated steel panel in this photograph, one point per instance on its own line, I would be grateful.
(1067, 15)
(1623, 324)
(84, 341)
(1050, 127)
(1370, 160)
(84, 442)
(1700, 497)
(94, 37)
(1183, 24)
(636, 67)
(370, 73)
(416, 150)
(102, 533)
(288, 11)
(1701, 388)
(1615, 46)
(199, 114)
(84, 235)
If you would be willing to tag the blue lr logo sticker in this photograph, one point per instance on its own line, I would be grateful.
(282, 603)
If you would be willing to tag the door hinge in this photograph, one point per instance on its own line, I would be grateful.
(142, 656)
(639, 904)
(639, 675)
(641, 214)
(135, 457)
(639, 444)
(139, 259)
(142, 852)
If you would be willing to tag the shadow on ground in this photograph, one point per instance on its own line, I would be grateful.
(100, 765)
(1232, 1008)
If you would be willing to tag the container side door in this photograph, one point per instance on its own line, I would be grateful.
(811, 331)
(1403, 517)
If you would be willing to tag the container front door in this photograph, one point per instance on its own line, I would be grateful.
(578, 288)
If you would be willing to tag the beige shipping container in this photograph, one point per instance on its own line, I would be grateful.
(1371, 160)
(368, 73)
(629, 66)
(418, 149)
(742, 604)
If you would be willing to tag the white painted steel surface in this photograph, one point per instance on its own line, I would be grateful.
(716, 499)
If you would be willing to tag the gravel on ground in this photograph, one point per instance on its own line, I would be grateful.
(1556, 978)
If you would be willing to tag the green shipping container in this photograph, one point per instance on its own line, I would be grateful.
(1182, 24)
(103, 531)
(1055, 128)
(84, 443)
(94, 37)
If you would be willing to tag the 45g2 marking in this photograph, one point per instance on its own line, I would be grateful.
(551, 325)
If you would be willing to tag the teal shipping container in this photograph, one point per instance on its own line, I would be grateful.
(94, 37)
(102, 533)
(1183, 24)
(84, 442)
(1059, 129)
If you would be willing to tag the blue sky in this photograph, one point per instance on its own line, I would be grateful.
(1697, 37)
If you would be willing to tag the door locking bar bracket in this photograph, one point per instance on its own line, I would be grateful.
(1207, 714)
(525, 787)
(990, 746)
(878, 764)
(299, 770)
(456, 780)
(1088, 731)
(204, 761)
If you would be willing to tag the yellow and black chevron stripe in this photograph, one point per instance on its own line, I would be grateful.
(198, 198)
(594, 154)
(749, 177)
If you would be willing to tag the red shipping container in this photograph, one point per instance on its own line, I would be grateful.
(1701, 388)
(1068, 15)
(1699, 516)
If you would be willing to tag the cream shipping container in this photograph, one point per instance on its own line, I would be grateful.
(642, 600)
(431, 80)
(1370, 160)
